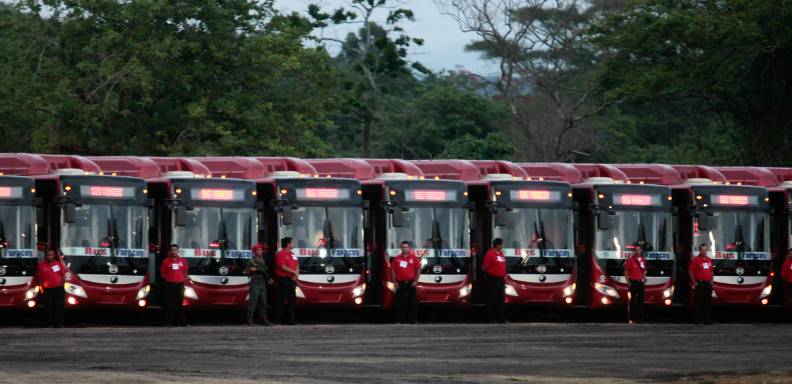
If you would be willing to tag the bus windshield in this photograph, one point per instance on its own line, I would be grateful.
(737, 236)
(433, 229)
(653, 229)
(534, 236)
(327, 236)
(102, 231)
(16, 230)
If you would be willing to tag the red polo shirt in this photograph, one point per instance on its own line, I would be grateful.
(635, 268)
(406, 267)
(174, 269)
(287, 258)
(494, 263)
(702, 269)
(786, 270)
(50, 274)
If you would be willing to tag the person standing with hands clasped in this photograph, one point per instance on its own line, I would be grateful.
(405, 271)
(51, 275)
(287, 272)
(494, 265)
(700, 274)
(174, 273)
(257, 293)
(635, 273)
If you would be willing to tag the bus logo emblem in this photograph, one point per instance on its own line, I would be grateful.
(329, 269)
(114, 279)
(437, 269)
(330, 279)
(740, 280)
(438, 279)
(223, 271)
(2, 281)
(112, 269)
(224, 281)
(2, 271)
(542, 278)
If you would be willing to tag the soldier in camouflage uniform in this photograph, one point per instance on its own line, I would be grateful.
(259, 278)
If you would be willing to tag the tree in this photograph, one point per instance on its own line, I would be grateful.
(546, 68)
(189, 77)
(730, 57)
(374, 54)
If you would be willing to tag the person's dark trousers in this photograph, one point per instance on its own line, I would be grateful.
(788, 301)
(406, 303)
(703, 310)
(284, 303)
(173, 297)
(636, 306)
(54, 301)
(495, 299)
(257, 299)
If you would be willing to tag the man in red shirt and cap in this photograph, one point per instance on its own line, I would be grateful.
(701, 275)
(494, 265)
(405, 271)
(287, 272)
(635, 273)
(174, 273)
(51, 275)
(786, 275)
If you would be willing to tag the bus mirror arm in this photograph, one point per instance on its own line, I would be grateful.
(366, 214)
(397, 217)
(703, 220)
(500, 216)
(602, 217)
(181, 215)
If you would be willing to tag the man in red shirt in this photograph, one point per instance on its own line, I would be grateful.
(701, 274)
(494, 266)
(50, 275)
(786, 275)
(405, 270)
(635, 273)
(174, 273)
(287, 271)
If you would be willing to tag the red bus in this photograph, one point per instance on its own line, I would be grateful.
(430, 214)
(615, 214)
(534, 219)
(18, 237)
(323, 216)
(100, 223)
(781, 234)
(214, 221)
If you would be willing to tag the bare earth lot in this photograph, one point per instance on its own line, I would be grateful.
(384, 353)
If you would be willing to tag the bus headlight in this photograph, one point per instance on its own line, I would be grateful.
(606, 290)
(464, 291)
(766, 291)
(189, 293)
(391, 285)
(30, 294)
(75, 290)
(299, 293)
(509, 290)
(668, 292)
(143, 292)
(359, 290)
(570, 290)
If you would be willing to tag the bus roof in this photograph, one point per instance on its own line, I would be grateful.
(23, 164)
(61, 162)
(588, 171)
(343, 167)
(134, 166)
(448, 169)
(687, 172)
(650, 173)
(761, 177)
(553, 172)
(235, 167)
(180, 164)
(492, 167)
(382, 166)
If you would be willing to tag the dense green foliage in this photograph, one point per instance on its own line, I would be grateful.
(674, 81)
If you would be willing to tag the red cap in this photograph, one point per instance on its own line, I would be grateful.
(258, 246)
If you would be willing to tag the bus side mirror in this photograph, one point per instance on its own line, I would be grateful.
(286, 215)
(602, 220)
(70, 213)
(366, 214)
(181, 216)
(397, 218)
(500, 217)
(703, 221)
(472, 219)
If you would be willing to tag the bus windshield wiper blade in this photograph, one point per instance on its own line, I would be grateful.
(327, 229)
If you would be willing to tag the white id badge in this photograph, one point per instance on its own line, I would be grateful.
(403, 264)
(56, 268)
(705, 265)
(175, 266)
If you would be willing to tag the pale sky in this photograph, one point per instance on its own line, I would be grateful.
(444, 43)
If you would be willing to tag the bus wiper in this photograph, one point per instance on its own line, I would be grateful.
(3, 240)
(739, 241)
(437, 242)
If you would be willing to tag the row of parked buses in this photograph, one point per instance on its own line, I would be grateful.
(566, 228)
